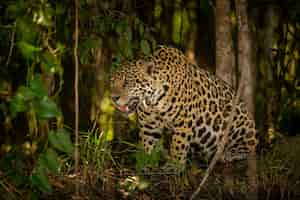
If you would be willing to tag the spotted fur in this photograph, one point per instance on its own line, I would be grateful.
(168, 91)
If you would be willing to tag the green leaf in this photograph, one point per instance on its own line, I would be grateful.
(40, 180)
(26, 30)
(38, 87)
(145, 47)
(145, 159)
(25, 93)
(49, 160)
(28, 50)
(18, 102)
(46, 109)
(61, 141)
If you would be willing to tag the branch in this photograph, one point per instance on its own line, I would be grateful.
(76, 153)
(12, 43)
(220, 149)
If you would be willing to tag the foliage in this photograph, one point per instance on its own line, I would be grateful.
(95, 151)
(36, 55)
(14, 164)
(48, 161)
(145, 160)
(34, 74)
(278, 168)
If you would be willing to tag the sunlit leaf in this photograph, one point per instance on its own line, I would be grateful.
(61, 140)
(43, 16)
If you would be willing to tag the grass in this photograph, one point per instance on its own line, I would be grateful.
(107, 174)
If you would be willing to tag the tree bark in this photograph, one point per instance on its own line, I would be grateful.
(245, 64)
(269, 42)
(225, 59)
(225, 64)
(246, 69)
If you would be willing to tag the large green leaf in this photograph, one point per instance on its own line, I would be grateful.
(61, 141)
(46, 109)
(40, 180)
(49, 160)
(38, 87)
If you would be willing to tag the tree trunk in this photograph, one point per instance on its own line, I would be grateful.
(225, 64)
(225, 60)
(166, 21)
(246, 69)
(270, 19)
(245, 64)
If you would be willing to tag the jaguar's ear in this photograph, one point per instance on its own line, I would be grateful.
(149, 67)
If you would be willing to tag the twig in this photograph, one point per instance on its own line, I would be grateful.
(12, 43)
(221, 146)
(76, 153)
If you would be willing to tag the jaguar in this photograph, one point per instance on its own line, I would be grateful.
(167, 91)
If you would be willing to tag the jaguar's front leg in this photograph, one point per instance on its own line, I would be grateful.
(180, 145)
(149, 138)
(150, 129)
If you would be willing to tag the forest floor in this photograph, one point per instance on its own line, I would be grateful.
(277, 171)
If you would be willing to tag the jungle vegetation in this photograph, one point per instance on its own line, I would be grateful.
(60, 137)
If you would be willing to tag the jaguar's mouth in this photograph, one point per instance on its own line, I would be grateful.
(128, 108)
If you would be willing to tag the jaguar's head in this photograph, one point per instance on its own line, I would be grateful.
(131, 84)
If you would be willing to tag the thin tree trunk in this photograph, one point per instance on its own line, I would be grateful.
(270, 19)
(246, 69)
(225, 60)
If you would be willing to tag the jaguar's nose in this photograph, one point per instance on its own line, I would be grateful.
(115, 98)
